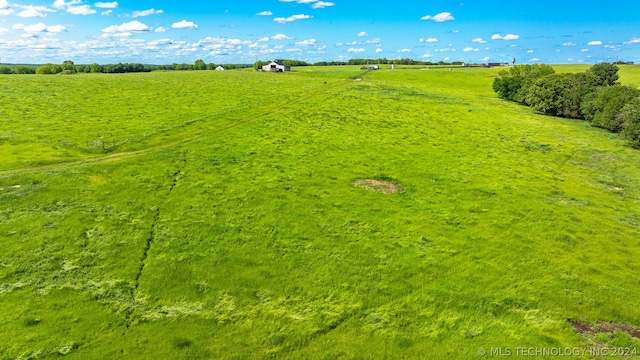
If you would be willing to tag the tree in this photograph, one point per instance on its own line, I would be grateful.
(49, 69)
(211, 66)
(95, 68)
(68, 67)
(199, 65)
(606, 73)
(548, 94)
(602, 107)
(5, 70)
(514, 83)
(629, 116)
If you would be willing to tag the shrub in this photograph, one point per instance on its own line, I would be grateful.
(514, 83)
(629, 116)
(602, 108)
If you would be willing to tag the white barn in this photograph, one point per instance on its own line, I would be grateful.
(276, 66)
(220, 68)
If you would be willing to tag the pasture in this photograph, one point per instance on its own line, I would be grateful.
(197, 215)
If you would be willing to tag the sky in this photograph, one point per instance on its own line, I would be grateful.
(164, 32)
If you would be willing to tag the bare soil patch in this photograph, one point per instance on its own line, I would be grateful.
(605, 328)
(385, 187)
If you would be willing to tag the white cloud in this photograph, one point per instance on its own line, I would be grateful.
(161, 29)
(322, 5)
(106, 5)
(72, 8)
(379, 50)
(184, 24)
(280, 37)
(6, 12)
(265, 13)
(485, 59)
(4, 31)
(633, 41)
(4, 4)
(506, 37)
(479, 41)
(34, 11)
(306, 42)
(569, 44)
(39, 28)
(594, 43)
(469, 49)
(584, 50)
(106, 13)
(534, 60)
(356, 50)
(426, 55)
(362, 33)
(442, 17)
(404, 50)
(80, 10)
(429, 40)
(126, 27)
(140, 13)
(292, 18)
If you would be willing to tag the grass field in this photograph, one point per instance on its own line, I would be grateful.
(197, 215)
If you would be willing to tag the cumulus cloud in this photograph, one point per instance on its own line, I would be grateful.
(569, 44)
(34, 11)
(356, 50)
(479, 41)
(73, 8)
(633, 41)
(404, 50)
(379, 50)
(265, 13)
(506, 37)
(280, 37)
(442, 17)
(429, 40)
(184, 24)
(322, 4)
(135, 26)
(106, 5)
(306, 42)
(5, 10)
(141, 13)
(39, 28)
(292, 18)
(470, 49)
(594, 43)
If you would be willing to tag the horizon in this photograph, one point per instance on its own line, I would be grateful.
(162, 32)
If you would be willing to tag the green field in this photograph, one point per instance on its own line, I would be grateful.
(213, 215)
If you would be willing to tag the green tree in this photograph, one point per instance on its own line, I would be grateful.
(95, 68)
(211, 66)
(68, 67)
(607, 73)
(5, 70)
(48, 69)
(629, 116)
(514, 83)
(602, 107)
(548, 94)
(199, 65)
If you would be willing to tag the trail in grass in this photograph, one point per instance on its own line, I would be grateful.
(189, 135)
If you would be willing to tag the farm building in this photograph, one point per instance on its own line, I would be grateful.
(220, 68)
(370, 67)
(276, 66)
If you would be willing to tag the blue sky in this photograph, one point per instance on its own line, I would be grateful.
(160, 31)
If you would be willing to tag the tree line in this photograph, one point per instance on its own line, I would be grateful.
(595, 96)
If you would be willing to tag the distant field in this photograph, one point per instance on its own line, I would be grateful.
(202, 215)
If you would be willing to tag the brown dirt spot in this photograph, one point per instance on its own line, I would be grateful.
(385, 187)
(602, 327)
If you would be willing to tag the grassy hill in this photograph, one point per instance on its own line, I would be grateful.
(214, 215)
